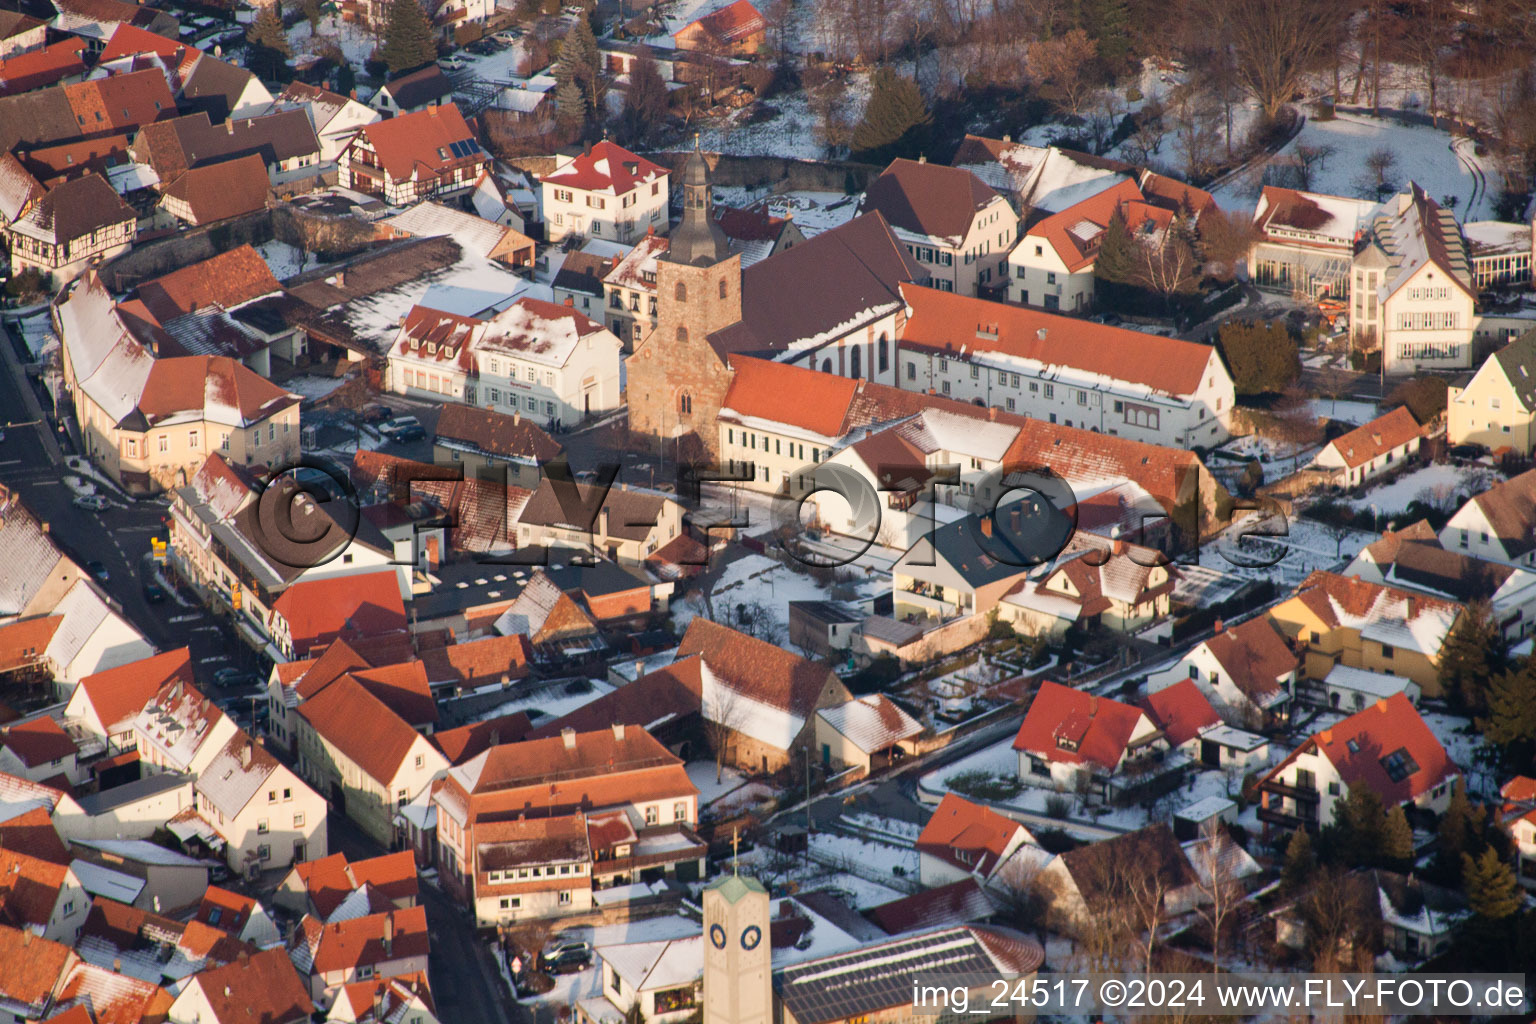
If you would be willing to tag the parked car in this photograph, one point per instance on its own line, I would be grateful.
(98, 570)
(452, 64)
(154, 593)
(567, 957)
(229, 676)
(508, 36)
(402, 429)
(91, 502)
(377, 413)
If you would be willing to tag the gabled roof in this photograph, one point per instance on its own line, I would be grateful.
(632, 514)
(1002, 163)
(574, 770)
(967, 835)
(495, 433)
(1076, 232)
(1254, 655)
(1386, 748)
(467, 741)
(357, 606)
(1152, 849)
(223, 190)
(228, 279)
(658, 697)
(381, 749)
(545, 614)
(35, 69)
(1181, 711)
(121, 101)
(386, 999)
(606, 167)
(1372, 440)
(471, 663)
(18, 188)
(236, 774)
(262, 988)
(537, 330)
(25, 641)
(1074, 727)
(38, 741)
(942, 906)
(215, 388)
(217, 86)
(872, 723)
(30, 888)
(419, 88)
(33, 967)
(928, 199)
(75, 209)
(425, 141)
(225, 910)
(781, 393)
(31, 831)
(960, 326)
(118, 694)
(347, 945)
(755, 668)
(730, 24)
(1391, 615)
(1510, 508)
(1517, 361)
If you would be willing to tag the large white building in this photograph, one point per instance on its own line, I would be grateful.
(1064, 370)
(605, 192)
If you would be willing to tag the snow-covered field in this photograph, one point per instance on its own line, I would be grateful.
(283, 260)
(1438, 485)
(1288, 557)
(1429, 157)
(1345, 410)
(760, 582)
(355, 40)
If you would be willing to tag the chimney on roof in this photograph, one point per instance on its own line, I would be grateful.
(568, 737)
(389, 933)
(618, 731)
(922, 158)
(1040, 334)
(570, 301)
(1119, 546)
(991, 412)
(247, 752)
(1219, 626)
(1007, 138)
(1093, 705)
(1381, 705)
(117, 965)
(353, 94)
(227, 992)
(341, 279)
(602, 521)
(378, 1004)
(1326, 735)
(613, 260)
(986, 526)
(517, 418)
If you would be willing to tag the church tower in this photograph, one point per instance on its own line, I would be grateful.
(676, 380)
(738, 975)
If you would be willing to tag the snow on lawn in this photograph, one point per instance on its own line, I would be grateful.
(355, 40)
(894, 829)
(1441, 486)
(791, 132)
(1344, 410)
(760, 582)
(553, 702)
(313, 388)
(1429, 157)
(1286, 550)
(703, 775)
(861, 893)
(865, 855)
(283, 260)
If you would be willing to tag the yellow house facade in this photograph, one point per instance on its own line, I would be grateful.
(1497, 407)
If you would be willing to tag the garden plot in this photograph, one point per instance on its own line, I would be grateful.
(1440, 486)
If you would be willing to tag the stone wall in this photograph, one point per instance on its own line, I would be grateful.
(165, 255)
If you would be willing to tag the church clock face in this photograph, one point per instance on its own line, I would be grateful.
(751, 936)
(717, 936)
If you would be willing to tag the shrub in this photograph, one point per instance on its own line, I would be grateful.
(980, 785)
(1133, 94)
(1057, 806)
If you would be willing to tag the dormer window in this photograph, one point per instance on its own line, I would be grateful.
(431, 348)
(1066, 743)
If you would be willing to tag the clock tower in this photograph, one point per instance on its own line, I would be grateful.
(738, 974)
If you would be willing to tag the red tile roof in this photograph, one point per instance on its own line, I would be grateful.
(673, 691)
(946, 322)
(29, 889)
(33, 966)
(729, 24)
(403, 688)
(347, 945)
(229, 279)
(467, 741)
(471, 663)
(223, 190)
(1358, 746)
(39, 741)
(234, 910)
(120, 693)
(262, 988)
(928, 199)
(1181, 711)
(334, 713)
(210, 385)
(781, 393)
(357, 607)
(967, 835)
(121, 101)
(38, 68)
(1076, 232)
(326, 881)
(956, 903)
(23, 643)
(393, 874)
(607, 166)
(756, 668)
(1254, 655)
(1074, 727)
(32, 833)
(421, 141)
(1374, 439)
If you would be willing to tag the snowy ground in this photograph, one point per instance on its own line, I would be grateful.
(1344, 410)
(867, 856)
(283, 260)
(1441, 486)
(1427, 156)
(1288, 557)
(792, 132)
(313, 388)
(761, 582)
(813, 212)
(356, 42)
(572, 987)
(548, 704)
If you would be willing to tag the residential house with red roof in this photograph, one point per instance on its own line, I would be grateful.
(548, 362)
(42, 897)
(263, 815)
(36, 69)
(1372, 449)
(737, 30)
(371, 773)
(758, 700)
(1522, 832)
(1341, 620)
(1052, 265)
(262, 986)
(335, 117)
(478, 439)
(320, 887)
(1413, 263)
(76, 223)
(1063, 369)
(952, 223)
(628, 290)
(1498, 525)
(383, 945)
(362, 608)
(413, 92)
(1077, 742)
(1094, 582)
(136, 943)
(34, 969)
(1248, 672)
(604, 192)
(964, 840)
(869, 732)
(215, 192)
(21, 33)
(39, 749)
(430, 154)
(241, 916)
(180, 730)
(384, 1000)
(80, 634)
(530, 829)
(1386, 748)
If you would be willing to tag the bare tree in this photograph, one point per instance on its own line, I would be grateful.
(1061, 69)
(1144, 908)
(1146, 139)
(1105, 112)
(1380, 165)
(1276, 43)
(1196, 121)
(1221, 889)
(723, 712)
(1309, 160)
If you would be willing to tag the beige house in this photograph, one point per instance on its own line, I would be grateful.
(75, 224)
(1497, 407)
(955, 226)
(867, 732)
(605, 192)
(1498, 525)
(266, 816)
(367, 774)
(1372, 449)
(629, 291)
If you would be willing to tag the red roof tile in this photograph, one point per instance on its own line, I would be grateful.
(39, 741)
(223, 190)
(23, 643)
(1374, 439)
(1076, 232)
(781, 393)
(729, 24)
(421, 141)
(346, 945)
(29, 889)
(334, 714)
(673, 691)
(471, 663)
(393, 874)
(967, 835)
(1254, 656)
(356, 607)
(33, 966)
(607, 166)
(946, 322)
(233, 909)
(32, 833)
(39, 68)
(262, 988)
(467, 741)
(120, 693)
(1074, 727)
(929, 199)
(756, 668)
(229, 279)
(121, 101)
(213, 386)
(1181, 711)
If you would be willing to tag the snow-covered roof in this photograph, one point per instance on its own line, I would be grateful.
(428, 219)
(646, 966)
(101, 881)
(1376, 684)
(872, 723)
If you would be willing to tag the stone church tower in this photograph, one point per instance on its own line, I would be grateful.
(676, 379)
(738, 970)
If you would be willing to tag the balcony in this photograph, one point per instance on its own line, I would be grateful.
(1310, 796)
(1290, 821)
(925, 601)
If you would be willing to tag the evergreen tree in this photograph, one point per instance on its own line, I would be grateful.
(1490, 885)
(646, 102)
(1470, 657)
(1363, 822)
(570, 106)
(269, 43)
(1397, 840)
(1262, 358)
(1299, 861)
(1511, 720)
(1116, 261)
(896, 120)
(1108, 23)
(408, 40)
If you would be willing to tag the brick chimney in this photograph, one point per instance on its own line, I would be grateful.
(389, 933)
(1220, 626)
(570, 301)
(986, 526)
